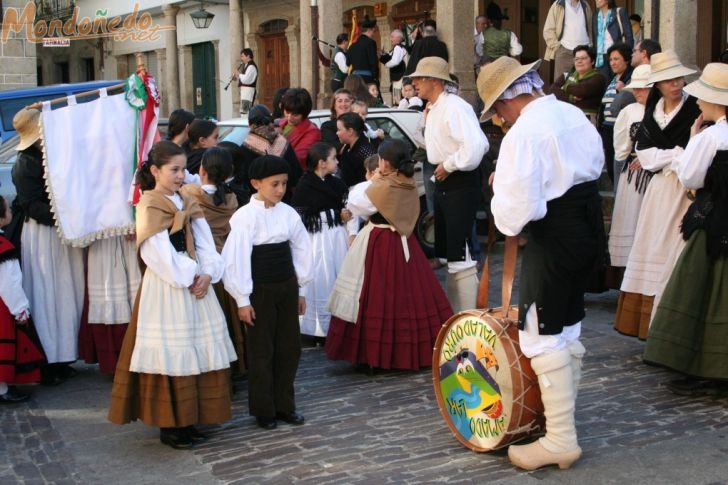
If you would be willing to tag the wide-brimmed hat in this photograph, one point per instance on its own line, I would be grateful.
(712, 86)
(640, 78)
(496, 77)
(27, 123)
(433, 67)
(666, 65)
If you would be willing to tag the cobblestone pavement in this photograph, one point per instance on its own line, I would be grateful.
(381, 428)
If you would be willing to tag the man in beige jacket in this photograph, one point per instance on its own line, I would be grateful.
(568, 25)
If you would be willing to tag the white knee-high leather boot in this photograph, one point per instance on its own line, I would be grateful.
(462, 289)
(559, 446)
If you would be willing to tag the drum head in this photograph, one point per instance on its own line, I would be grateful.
(472, 378)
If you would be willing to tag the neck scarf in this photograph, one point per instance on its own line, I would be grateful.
(156, 213)
(676, 133)
(601, 34)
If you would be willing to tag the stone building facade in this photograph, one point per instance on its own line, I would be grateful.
(192, 66)
(17, 57)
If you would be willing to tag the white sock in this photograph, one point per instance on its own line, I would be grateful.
(3, 388)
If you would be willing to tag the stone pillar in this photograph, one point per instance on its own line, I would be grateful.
(306, 44)
(384, 79)
(677, 21)
(187, 100)
(171, 84)
(330, 15)
(451, 23)
(294, 64)
(235, 28)
(161, 75)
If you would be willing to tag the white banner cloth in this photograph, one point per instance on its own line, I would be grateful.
(88, 154)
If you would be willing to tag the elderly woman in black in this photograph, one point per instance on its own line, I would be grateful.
(355, 150)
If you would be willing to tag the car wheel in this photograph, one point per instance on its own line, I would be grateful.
(425, 233)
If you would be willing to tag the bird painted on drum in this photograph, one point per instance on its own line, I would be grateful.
(473, 375)
(469, 389)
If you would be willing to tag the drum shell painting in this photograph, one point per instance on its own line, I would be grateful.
(485, 388)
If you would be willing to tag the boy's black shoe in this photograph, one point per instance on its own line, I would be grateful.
(194, 434)
(13, 396)
(291, 418)
(177, 438)
(266, 422)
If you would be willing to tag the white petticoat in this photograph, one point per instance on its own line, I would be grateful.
(177, 334)
(329, 250)
(53, 281)
(113, 280)
(627, 206)
(657, 241)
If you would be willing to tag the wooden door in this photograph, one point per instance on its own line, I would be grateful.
(204, 98)
(274, 67)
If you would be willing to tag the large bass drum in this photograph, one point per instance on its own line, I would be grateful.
(485, 387)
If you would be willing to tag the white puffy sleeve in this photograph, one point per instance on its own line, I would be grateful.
(238, 277)
(177, 269)
(622, 141)
(358, 201)
(472, 144)
(517, 187)
(692, 165)
(210, 262)
(516, 48)
(11, 287)
(655, 159)
(300, 249)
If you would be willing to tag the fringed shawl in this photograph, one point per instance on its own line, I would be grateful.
(315, 195)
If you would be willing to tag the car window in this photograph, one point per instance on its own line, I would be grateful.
(235, 134)
(391, 130)
(10, 107)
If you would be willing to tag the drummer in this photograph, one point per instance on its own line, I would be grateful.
(546, 178)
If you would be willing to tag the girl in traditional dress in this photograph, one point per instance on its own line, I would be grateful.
(388, 315)
(219, 204)
(632, 179)
(53, 274)
(20, 353)
(173, 370)
(665, 131)
(688, 333)
(319, 198)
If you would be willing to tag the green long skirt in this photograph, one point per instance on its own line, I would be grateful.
(689, 332)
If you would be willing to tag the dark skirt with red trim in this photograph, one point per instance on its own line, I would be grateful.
(401, 309)
(21, 354)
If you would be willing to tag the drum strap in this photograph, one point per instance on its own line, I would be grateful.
(509, 273)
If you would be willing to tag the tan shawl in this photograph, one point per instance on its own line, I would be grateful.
(395, 197)
(218, 216)
(156, 213)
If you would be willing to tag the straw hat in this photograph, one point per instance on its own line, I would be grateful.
(27, 123)
(712, 85)
(433, 67)
(666, 65)
(640, 78)
(496, 77)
